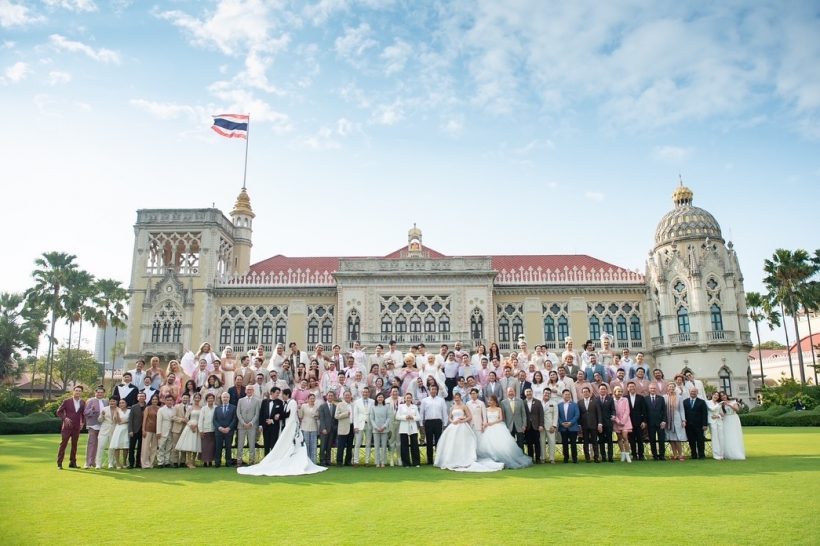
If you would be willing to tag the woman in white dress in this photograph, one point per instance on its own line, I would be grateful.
(716, 425)
(456, 449)
(538, 385)
(206, 353)
(496, 444)
(118, 448)
(432, 369)
(189, 441)
(289, 456)
(733, 448)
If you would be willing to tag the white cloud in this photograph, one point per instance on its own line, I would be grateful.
(72, 5)
(388, 114)
(102, 55)
(322, 140)
(671, 154)
(344, 127)
(594, 196)
(453, 126)
(57, 77)
(396, 56)
(167, 110)
(12, 15)
(321, 11)
(8, 44)
(534, 145)
(355, 42)
(17, 72)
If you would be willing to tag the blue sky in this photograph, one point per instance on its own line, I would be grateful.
(499, 127)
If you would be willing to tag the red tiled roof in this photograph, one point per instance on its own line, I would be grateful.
(283, 263)
(806, 343)
(551, 261)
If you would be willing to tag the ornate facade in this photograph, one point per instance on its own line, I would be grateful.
(192, 281)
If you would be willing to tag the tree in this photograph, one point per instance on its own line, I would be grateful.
(110, 300)
(80, 291)
(760, 308)
(770, 345)
(83, 368)
(52, 277)
(787, 275)
(20, 328)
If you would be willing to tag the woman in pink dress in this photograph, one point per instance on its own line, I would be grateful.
(622, 423)
(409, 374)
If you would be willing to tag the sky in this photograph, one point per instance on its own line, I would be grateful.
(516, 127)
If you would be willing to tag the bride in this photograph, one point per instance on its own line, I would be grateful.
(733, 448)
(289, 456)
(456, 449)
(496, 443)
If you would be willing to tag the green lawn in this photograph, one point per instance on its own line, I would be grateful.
(772, 498)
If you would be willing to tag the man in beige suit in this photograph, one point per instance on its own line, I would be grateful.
(165, 417)
(344, 437)
(247, 416)
(550, 427)
(181, 413)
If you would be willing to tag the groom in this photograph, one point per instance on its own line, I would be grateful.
(695, 422)
(535, 425)
(515, 417)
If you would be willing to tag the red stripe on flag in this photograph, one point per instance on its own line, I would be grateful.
(227, 134)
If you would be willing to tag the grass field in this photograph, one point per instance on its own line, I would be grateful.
(772, 498)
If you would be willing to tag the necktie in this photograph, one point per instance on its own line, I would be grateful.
(653, 399)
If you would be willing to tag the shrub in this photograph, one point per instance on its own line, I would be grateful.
(11, 401)
(54, 405)
(36, 423)
(781, 418)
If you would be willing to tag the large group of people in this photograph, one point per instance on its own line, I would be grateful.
(472, 412)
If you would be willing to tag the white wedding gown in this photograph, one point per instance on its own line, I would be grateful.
(733, 448)
(498, 445)
(456, 449)
(289, 456)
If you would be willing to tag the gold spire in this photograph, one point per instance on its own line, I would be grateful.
(682, 195)
(414, 232)
(243, 205)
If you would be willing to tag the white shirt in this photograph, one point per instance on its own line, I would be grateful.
(407, 426)
(76, 405)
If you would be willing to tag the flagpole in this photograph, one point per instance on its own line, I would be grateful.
(247, 138)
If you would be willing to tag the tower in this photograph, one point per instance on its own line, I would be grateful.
(414, 241)
(242, 216)
(697, 312)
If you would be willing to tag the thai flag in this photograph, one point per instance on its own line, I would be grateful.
(231, 125)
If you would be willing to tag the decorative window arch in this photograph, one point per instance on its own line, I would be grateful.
(320, 325)
(716, 317)
(615, 318)
(253, 332)
(609, 327)
(552, 314)
(477, 325)
(725, 378)
(563, 328)
(444, 323)
(167, 324)
(517, 327)
(353, 325)
(510, 324)
(247, 326)
(621, 331)
(549, 330)
(503, 330)
(594, 328)
(635, 327)
(683, 320)
(313, 331)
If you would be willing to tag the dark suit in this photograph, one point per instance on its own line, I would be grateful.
(605, 437)
(590, 410)
(135, 435)
(235, 396)
(225, 419)
(131, 397)
(695, 414)
(270, 433)
(591, 371)
(637, 414)
(329, 423)
(522, 387)
(569, 435)
(532, 434)
(655, 415)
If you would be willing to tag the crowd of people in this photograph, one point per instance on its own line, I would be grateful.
(472, 412)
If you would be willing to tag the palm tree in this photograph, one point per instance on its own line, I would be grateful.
(110, 300)
(79, 294)
(52, 277)
(20, 327)
(787, 275)
(760, 308)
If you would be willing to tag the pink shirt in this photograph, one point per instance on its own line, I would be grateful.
(301, 396)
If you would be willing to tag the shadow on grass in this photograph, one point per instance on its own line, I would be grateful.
(41, 450)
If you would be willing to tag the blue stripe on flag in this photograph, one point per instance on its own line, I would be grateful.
(230, 125)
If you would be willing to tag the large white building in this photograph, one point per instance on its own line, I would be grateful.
(192, 281)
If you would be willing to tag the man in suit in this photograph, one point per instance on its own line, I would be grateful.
(71, 411)
(550, 426)
(590, 419)
(245, 372)
(523, 384)
(393, 441)
(656, 423)
(150, 392)
(344, 430)
(695, 422)
(515, 416)
(135, 432)
(270, 417)
(237, 391)
(492, 388)
(508, 381)
(138, 374)
(327, 428)
(362, 429)
(593, 368)
(637, 414)
(91, 414)
(165, 420)
(535, 425)
(568, 416)
(178, 423)
(570, 366)
(126, 391)
(224, 425)
(607, 418)
(247, 416)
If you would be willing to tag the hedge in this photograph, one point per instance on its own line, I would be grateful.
(36, 423)
(776, 417)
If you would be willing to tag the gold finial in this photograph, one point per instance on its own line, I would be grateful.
(243, 204)
(682, 195)
(414, 233)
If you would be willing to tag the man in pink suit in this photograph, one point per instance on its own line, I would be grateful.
(91, 415)
(71, 412)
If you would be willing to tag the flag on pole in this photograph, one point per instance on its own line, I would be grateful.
(231, 125)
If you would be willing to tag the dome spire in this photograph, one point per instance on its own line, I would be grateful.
(682, 195)
(243, 204)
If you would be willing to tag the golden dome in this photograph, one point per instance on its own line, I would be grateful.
(243, 205)
(682, 195)
(686, 221)
(414, 232)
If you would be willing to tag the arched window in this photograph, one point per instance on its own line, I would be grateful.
(387, 325)
(239, 332)
(503, 330)
(401, 324)
(353, 326)
(477, 325)
(267, 332)
(444, 324)
(594, 328)
(281, 330)
(563, 328)
(156, 329)
(517, 328)
(225, 333)
(166, 332)
(429, 324)
(683, 320)
(608, 326)
(415, 324)
(549, 329)
(253, 332)
(725, 381)
(621, 330)
(312, 332)
(660, 325)
(635, 328)
(327, 331)
(176, 335)
(717, 317)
